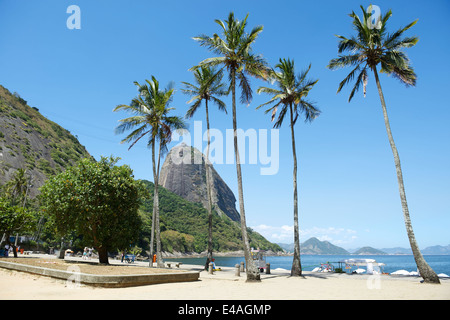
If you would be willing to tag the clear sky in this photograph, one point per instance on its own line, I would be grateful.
(348, 191)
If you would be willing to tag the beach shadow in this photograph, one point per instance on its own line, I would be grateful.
(316, 276)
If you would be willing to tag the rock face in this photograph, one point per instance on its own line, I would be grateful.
(32, 142)
(183, 173)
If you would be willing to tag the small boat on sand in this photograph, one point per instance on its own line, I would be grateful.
(346, 266)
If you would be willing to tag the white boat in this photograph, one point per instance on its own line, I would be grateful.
(371, 265)
(401, 273)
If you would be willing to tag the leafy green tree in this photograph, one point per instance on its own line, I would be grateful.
(373, 46)
(97, 200)
(208, 87)
(151, 119)
(14, 219)
(15, 215)
(290, 96)
(235, 54)
(16, 189)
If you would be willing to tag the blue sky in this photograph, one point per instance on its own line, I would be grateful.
(348, 191)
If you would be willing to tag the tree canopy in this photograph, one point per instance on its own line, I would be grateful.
(97, 200)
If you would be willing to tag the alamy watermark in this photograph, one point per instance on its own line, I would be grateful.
(374, 280)
(253, 147)
(73, 282)
(74, 20)
(374, 19)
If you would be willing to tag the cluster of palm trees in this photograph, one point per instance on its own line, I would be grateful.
(372, 46)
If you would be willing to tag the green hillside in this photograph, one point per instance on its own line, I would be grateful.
(315, 246)
(184, 226)
(368, 251)
(30, 141)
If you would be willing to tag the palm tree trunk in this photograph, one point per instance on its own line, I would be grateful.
(155, 192)
(159, 259)
(425, 270)
(251, 270)
(296, 269)
(208, 187)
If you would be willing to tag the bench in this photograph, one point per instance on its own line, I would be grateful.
(177, 264)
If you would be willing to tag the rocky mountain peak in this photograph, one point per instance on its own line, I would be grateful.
(183, 173)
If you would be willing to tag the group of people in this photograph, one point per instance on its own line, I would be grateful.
(87, 253)
(4, 252)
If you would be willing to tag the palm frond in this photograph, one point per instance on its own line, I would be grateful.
(193, 108)
(348, 78)
(281, 116)
(268, 90)
(246, 89)
(209, 62)
(293, 90)
(150, 109)
(220, 104)
(310, 111)
(360, 80)
(372, 46)
(345, 61)
(395, 37)
(348, 44)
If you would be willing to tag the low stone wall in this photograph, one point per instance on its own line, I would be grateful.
(115, 281)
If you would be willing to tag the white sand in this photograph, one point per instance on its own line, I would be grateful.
(224, 285)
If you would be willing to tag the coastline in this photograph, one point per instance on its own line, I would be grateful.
(238, 253)
(225, 285)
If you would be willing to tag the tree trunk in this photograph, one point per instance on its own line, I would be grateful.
(61, 250)
(152, 236)
(159, 259)
(102, 255)
(208, 187)
(14, 249)
(296, 269)
(251, 270)
(425, 270)
(11, 245)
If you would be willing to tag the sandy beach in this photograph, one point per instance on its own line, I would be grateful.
(224, 285)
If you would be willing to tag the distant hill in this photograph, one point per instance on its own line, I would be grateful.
(368, 251)
(288, 247)
(30, 141)
(184, 226)
(439, 250)
(315, 246)
(432, 250)
(397, 250)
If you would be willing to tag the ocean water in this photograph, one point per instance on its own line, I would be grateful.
(439, 263)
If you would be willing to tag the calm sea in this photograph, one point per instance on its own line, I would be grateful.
(439, 263)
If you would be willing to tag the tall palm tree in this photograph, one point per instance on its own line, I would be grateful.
(235, 54)
(373, 46)
(290, 96)
(151, 118)
(17, 190)
(208, 87)
(18, 186)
